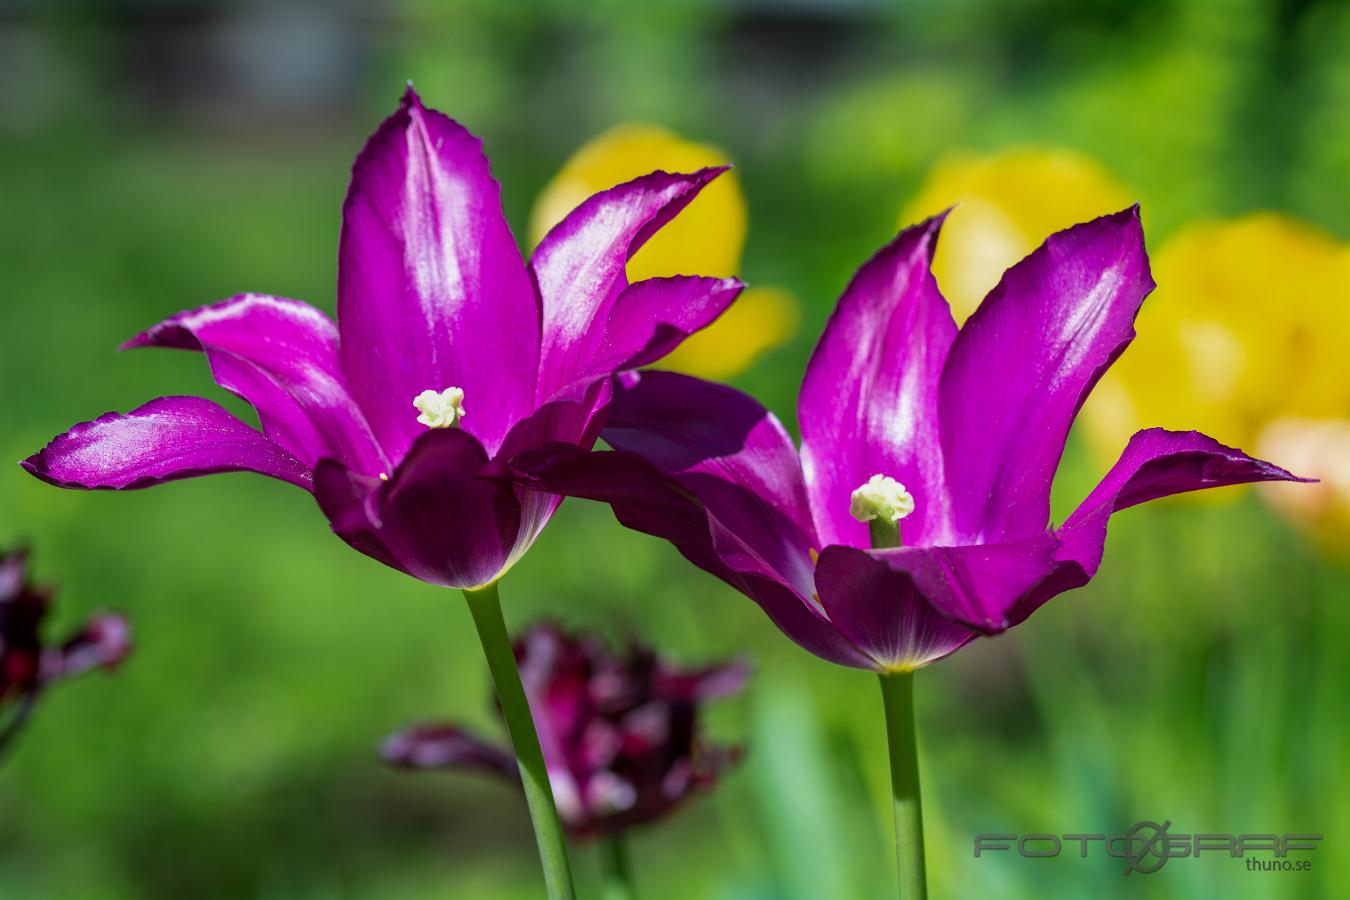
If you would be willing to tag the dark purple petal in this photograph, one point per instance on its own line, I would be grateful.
(571, 421)
(869, 402)
(432, 291)
(702, 685)
(1155, 463)
(653, 317)
(281, 356)
(646, 500)
(442, 746)
(1023, 365)
(446, 515)
(580, 266)
(883, 611)
(701, 432)
(975, 585)
(103, 643)
(164, 440)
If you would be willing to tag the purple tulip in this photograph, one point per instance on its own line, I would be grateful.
(620, 732)
(973, 421)
(28, 663)
(449, 357)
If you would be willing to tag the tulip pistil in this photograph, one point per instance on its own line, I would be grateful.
(440, 409)
(882, 502)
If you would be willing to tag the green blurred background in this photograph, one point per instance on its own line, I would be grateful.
(157, 156)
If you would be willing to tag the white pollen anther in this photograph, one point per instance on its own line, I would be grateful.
(440, 409)
(882, 497)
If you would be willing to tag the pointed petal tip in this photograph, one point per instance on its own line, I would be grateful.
(410, 99)
(1270, 471)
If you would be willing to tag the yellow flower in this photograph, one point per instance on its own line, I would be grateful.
(1005, 206)
(707, 238)
(1314, 448)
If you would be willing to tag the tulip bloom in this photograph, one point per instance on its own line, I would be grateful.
(907, 423)
(28, 663)
(450, 356)
(620, 731)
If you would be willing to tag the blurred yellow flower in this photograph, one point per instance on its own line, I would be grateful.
(707, 237)
(1315, 448)
(1006, 205)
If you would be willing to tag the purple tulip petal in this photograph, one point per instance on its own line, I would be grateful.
(281, 356)
(432, 291)
(103, 643)
(700, 431)
(446, 515)
(883, 611)
(1155, 463)
(869, 401)
(439, 746)
(577, 422)
(164, 440)
(1023, 365)
(703, 685)
(645, 499)
(653, 317)
(580, 266)
(974, 585)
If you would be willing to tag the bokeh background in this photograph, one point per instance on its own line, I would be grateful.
(159, 155)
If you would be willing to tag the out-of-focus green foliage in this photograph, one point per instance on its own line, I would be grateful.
(1201, 679)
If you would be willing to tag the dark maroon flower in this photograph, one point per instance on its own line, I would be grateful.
(28, 664)
(620, 731)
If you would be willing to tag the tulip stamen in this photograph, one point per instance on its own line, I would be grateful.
(440, 409)
(882, 502)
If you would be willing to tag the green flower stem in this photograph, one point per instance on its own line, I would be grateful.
(897, 698)
(486, 608)
(618, 872)
(884, 533)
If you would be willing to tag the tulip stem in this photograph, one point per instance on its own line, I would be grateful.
(897, 697)
(486, 608)
(618, 872)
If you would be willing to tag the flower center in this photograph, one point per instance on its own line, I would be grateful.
(881, 498)
(441, 409)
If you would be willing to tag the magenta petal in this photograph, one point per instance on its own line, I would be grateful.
(575, 422)
(446, 515)
(1155, 463)
(103, 643)
(443, 746)
(700, 431)
(653, 317)
(1023, 365)
(432, 291)
(869, 401)
(580, 266)
(646, 500)
(164, 440)
(281, 356)
(976, 585)
(883, 611)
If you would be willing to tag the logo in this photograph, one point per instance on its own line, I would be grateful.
(1147, 846)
